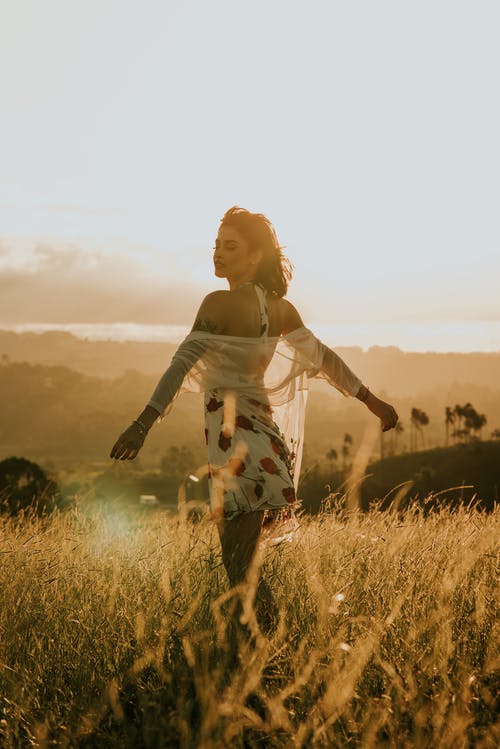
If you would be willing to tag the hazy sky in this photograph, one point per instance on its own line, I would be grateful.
(366, 131)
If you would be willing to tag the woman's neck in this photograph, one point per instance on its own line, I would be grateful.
(233, 285)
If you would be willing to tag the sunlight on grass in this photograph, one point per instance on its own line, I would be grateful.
(117, 632)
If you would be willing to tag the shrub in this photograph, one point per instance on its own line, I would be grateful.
(24, 485)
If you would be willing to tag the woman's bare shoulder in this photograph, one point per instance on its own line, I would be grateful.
(211, 314)
(290, 316)
(215, 299)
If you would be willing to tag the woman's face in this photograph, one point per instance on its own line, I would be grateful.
(232, 258)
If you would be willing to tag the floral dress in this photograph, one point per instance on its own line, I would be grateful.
(250, 465)
(250, 386)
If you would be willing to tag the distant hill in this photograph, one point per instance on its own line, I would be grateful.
(56, 412)
(476, 464)
(107, 359)
(383, 368)
(54, 384)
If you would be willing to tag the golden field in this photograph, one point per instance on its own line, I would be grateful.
(115, 632)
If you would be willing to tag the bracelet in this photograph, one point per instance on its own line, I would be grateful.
(141, 425)
(365, 397)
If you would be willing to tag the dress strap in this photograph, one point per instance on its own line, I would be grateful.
(264, 319)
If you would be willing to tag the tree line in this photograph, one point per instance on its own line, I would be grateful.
(463, 424)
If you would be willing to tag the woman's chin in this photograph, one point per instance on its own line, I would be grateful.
(219, 273)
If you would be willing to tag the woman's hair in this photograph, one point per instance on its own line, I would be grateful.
(274, 270)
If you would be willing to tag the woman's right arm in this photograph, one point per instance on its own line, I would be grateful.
(131, 440)
(208, 320)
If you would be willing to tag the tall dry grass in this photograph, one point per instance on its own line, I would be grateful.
(115, 632)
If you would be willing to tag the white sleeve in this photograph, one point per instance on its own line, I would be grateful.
(321, 361)
(171, 381)
(338, 374)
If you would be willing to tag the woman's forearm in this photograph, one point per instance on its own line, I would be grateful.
(363, 394)
(148, 417)
(169, 384)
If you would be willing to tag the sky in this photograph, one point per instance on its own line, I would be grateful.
(366, 131)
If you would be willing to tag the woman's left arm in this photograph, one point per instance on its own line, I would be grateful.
(385, 412)
(344, 379)
(339, 374)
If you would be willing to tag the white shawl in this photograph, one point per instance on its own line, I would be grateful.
(273, 370)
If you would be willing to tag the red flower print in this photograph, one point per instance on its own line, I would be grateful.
(224, 442)
(277, 446)
(244, 423)
(289, 494)
(213, 404)
(236, 466)
(269, 465)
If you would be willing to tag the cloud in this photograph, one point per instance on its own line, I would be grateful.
(66, 284)
(56, 282)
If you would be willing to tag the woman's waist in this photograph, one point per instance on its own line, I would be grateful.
(237, 383)
(243, 399)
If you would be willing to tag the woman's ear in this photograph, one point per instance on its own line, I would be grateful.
(256, 257)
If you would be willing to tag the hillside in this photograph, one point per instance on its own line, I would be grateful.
(55, 412)
(476, 464)
(385, 368)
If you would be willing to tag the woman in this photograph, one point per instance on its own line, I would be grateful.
(251, 355)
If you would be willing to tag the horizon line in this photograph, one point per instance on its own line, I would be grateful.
(174, 334)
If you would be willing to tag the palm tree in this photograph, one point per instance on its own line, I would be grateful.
(469, 414)
(418, 419)
(449, 420)
(346, 448)
(398, 429)
(475, 423)
(469, 420)
(459, 413)
(332, 456)
(424, 420)
(482, 422)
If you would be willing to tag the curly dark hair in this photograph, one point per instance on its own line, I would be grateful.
(274, 271)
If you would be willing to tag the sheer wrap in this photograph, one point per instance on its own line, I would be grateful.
(272, 371)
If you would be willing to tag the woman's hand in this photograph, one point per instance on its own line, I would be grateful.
(128, 443)
(386, 413)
